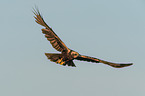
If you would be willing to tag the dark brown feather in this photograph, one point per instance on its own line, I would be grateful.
(96, 60)
(71, 63)
(54, 42)
(57, 58)
(49, 33)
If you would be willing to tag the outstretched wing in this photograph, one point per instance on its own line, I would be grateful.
(49, 33)
(96, 60)
(57, 58)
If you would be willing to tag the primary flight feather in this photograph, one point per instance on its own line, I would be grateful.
(67, 55)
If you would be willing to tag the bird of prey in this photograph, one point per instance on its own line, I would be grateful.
(67, 55)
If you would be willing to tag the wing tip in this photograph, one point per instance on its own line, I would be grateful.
(123, 65)
(129, 64)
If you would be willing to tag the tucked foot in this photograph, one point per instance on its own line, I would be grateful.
(60, 61)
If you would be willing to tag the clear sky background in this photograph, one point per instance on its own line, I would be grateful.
(112, 30)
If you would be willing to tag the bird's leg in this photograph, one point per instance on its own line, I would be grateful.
(60, 61)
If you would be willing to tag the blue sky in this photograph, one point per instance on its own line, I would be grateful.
(112, 30)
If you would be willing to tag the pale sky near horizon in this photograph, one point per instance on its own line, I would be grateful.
(112, 30)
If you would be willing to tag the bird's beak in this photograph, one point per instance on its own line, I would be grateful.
(79, 56)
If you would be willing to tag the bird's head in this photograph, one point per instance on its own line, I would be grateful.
(74, 54)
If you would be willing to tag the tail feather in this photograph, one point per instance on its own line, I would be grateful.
(71, 63)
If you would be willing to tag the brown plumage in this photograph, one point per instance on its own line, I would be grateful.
(67, 55)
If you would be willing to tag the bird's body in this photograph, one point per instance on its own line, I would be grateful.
(67, 55)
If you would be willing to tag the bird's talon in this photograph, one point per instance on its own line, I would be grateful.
(60, 61)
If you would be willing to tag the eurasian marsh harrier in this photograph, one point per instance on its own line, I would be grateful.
(67, 55)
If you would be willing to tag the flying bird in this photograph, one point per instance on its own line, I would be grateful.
(67, 55)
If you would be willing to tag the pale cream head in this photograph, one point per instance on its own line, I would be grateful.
(74, 54)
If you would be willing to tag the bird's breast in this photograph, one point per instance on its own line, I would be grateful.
(67, 56)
